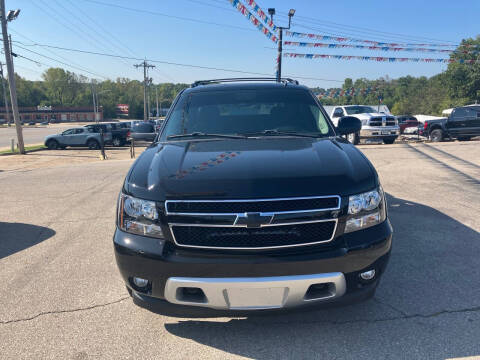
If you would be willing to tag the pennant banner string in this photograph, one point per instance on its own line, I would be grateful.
(242, 9)
(347, 39)
(261, 14)
(379, 58)
(374, 47)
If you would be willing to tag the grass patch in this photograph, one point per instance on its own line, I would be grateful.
(27, 149)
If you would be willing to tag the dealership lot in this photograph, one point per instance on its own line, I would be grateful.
(62, 296)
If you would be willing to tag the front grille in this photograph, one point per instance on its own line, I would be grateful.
(254, 238)
(235, 207)
(377, 121)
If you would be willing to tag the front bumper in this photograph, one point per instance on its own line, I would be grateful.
(379, 131)
(255, 280)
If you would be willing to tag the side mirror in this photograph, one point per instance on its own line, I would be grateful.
(348, 125)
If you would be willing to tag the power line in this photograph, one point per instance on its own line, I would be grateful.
(84, 69)
(151, 12)
(88, 39)
(60, 62)
(100, 37)
(113, 37)
(365, 30)
(169, 62)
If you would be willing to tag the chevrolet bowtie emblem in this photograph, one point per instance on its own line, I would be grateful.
(252, 219)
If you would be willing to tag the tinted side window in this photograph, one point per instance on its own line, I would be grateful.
(338, 112)
(143, 128)
(78, 131)
(460, 113)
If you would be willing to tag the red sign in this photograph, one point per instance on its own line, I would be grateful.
(122, 109)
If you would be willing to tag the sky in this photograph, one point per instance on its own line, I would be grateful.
(211, 33)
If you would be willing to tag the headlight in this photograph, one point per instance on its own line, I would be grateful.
(138, 216)
(365, 210)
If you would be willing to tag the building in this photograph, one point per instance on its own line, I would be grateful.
(54, 114)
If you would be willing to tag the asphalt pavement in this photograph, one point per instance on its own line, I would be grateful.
(62, 297)
(32, 135)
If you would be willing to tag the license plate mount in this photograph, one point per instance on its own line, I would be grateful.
(256, 298)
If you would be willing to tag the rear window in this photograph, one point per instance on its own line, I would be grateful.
(247, 111)
(143, 128)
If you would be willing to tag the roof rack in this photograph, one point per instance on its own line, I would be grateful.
(217, 81)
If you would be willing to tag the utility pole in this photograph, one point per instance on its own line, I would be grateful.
(94, 103)
(156, 95)
(145, 66)
(271, 12)
(12, 15)
(5, 97)
(148, 97)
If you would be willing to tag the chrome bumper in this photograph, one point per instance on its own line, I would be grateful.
(254, 293)
(379, 131)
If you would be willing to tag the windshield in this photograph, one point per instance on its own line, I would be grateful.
(247, 112)
(352, 110)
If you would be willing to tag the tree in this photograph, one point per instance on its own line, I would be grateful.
(62, 87)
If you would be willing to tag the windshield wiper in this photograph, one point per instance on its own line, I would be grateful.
(288, 133)
(202, 134)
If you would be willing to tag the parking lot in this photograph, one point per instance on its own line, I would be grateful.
(62, 295)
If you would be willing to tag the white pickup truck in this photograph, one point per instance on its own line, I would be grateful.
(376, 126)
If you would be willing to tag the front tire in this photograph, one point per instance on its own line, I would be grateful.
(436, 135)
(353, 138)
(93, 145)
(117, 142)
(53, 145)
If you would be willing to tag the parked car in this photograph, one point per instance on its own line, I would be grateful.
(463, 123)
(406, 121)
(158, 125)
(31, 123)
(80, 136)
(44, 123)
(120, 134)
(251, 199)
(143, 131)
(125, 124)
(375, 125)
(104, 129)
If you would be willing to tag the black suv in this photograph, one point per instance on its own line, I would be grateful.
(250, 199)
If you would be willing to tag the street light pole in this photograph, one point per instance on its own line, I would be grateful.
(12, 15)
(5, 97)
(271, 11)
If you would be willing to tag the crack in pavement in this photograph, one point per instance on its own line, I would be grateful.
(369, 321)
(65, 311)
(404, 315)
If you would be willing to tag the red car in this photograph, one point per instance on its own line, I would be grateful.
(405, 121)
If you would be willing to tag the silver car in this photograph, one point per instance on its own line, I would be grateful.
(79, 136)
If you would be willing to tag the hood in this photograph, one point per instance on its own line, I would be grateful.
(367, 116)
(250, 168)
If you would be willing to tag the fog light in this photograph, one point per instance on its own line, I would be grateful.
(140, 282)
(368, 275)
